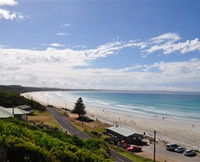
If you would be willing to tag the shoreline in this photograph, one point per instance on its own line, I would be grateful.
(179, 132)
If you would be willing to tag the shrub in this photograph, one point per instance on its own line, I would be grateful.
(27, 143)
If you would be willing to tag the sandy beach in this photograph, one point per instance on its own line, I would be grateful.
(180, 132)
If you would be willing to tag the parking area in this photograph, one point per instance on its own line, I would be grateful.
(162, 154)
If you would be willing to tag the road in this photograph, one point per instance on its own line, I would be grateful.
(66, 125)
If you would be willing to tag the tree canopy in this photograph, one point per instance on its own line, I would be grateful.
(79, 107)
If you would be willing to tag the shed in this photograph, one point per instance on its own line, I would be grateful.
(123, 136)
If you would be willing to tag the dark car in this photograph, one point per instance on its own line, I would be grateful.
(189, 153)
(180, 149)
(171, 146)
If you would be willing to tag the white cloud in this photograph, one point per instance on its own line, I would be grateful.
(170, 37)
(63, 34)
(10, 15)
(66, 25)
(57, 45)
(8, 2)
(182, 47)
(169, 43)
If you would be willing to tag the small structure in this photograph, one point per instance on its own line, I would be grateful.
(123, 137)
(25, 107)
(13, 112)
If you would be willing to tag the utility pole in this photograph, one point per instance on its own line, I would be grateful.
(13, 111)
(154, 150)
(65, 106)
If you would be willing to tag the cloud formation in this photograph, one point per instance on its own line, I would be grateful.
(56, 45)
(66, 25)
(63, 34)
(170, 37)
(169, 43)
(8, 14)
(64, 67)
(8, 3)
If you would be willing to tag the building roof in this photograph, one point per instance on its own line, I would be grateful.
(122, 131)
(17, 111)
(8, 112)
(4, 113)
(24, 107)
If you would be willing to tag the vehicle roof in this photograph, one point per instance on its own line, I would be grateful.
(171, 144)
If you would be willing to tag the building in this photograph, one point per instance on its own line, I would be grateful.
(25, 107)
(13, 112)
(123, 137)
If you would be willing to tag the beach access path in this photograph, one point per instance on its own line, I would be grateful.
(67, 126)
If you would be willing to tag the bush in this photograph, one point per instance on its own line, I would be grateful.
(27, 143)
(10, 99)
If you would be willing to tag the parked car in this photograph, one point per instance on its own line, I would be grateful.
(171, 146)
(180, 149)
(134, 148)
(189, 153)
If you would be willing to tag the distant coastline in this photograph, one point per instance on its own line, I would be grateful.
(23, 89)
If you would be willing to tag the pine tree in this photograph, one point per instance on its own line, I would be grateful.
(79, 107)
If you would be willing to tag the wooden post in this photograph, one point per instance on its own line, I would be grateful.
(13, 111)
(154, 151)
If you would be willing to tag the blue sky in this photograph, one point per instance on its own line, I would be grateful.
(109, 44)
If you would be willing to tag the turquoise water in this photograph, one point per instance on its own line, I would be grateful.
(184, 106)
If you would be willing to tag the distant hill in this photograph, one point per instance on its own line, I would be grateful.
(21, 89)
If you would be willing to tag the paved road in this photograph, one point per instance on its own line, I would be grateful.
(65, 123)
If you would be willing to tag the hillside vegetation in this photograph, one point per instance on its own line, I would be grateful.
(28, 143)
(11, 98)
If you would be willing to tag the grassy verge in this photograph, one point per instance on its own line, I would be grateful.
(130, 155)
(44, 117)
(94, 129)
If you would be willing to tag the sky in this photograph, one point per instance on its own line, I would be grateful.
(101, 44)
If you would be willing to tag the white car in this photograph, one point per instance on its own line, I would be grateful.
(171, 146)
(180, 149)
(189, 153)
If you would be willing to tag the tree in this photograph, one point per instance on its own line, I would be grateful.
(79, 107)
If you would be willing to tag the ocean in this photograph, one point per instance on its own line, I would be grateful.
(178, 106)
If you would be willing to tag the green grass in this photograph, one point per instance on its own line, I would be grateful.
(130, 155)
(135, 158)
(44, 117)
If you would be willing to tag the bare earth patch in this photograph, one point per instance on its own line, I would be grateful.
(44, 117)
